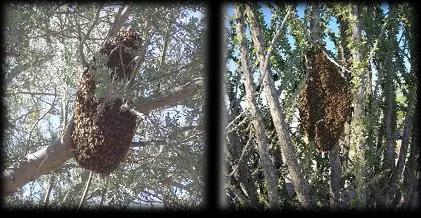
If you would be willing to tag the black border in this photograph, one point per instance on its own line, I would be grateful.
(214, 86)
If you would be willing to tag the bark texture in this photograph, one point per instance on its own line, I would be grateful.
(357, 137)
(300, 184)
(257, 120)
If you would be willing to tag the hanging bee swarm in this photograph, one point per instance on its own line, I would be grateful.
(121, 52)
(103, 132)
(324, 102)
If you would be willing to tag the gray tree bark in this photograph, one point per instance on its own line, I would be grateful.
(335, 176)
(300, 184)
(257, 120)
(410, 172)
(397, 171)
(39, 163)
(357, 138)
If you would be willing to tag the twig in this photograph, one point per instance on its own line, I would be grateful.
(195, 135)
(36, 123)
(334, 62)
(50, 187)
(245, 119)
(240, 159)
(234, 120)
(374, 48)
(275, 37)
(88, 184)
(270, 48)
(31, 93)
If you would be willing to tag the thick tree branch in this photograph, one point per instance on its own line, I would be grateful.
(39, 163)
(53, 156)
(188, 90)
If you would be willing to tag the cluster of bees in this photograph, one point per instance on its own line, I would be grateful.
(120, 52)
(324, 102)
(103, 133)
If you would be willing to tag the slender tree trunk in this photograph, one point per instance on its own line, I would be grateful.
(237, 147)
(411, 181)
(390, 117)
(85, 192)
(397, 172)
(410, 172)
(315, 28)
(257, 120)
(357, 137)
(335, 176)
(344, 54)
(389, 127)
(300, 184)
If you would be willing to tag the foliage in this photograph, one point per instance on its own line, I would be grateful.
(385, 64)
(45, 45)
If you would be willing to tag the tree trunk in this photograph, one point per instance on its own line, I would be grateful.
(410, 173)
(357, 137)
(257, 120)
(335, 176)
(300, 184)
(397, 172)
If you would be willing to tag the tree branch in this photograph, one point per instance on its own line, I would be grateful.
(119, 20)
(257, 120)
(276, 112)
(88, 184)
(188, 90)
(53, 156)
(39, 163)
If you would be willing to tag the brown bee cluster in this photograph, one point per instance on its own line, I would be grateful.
(103, 133)
(121, 53)
(324, 102)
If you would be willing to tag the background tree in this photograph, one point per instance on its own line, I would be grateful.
(47, 46)
(372, 46)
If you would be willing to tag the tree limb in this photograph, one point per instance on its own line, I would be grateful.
(119, 20)
(39, 163)
(53, 156)
(146, 105)
(88, 184)
(257, 120)
(301, 185)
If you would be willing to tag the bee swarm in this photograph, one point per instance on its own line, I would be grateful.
(103, 133)
(324, 102)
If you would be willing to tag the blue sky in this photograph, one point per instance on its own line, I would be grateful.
(300, 12)
(332, 25)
